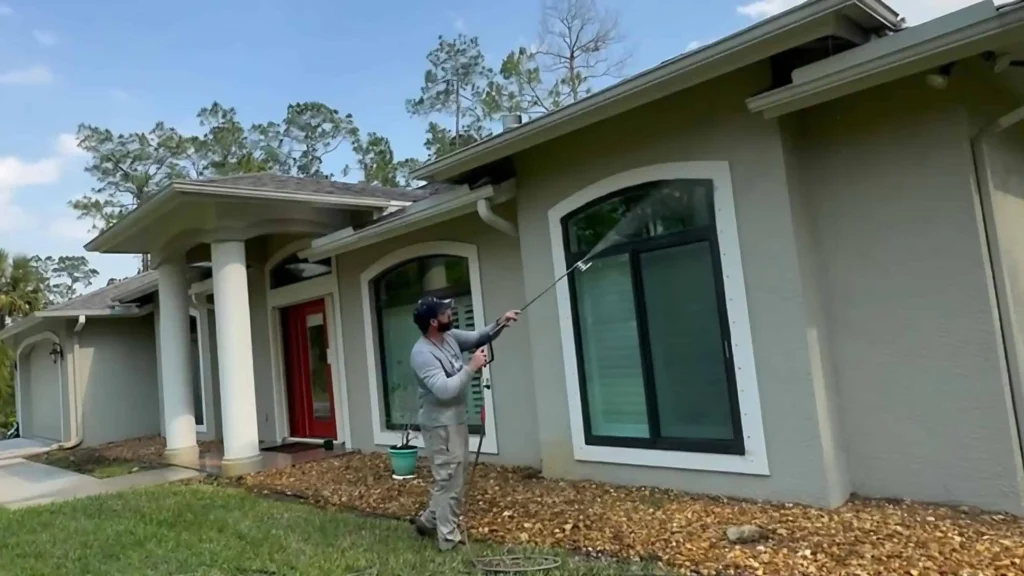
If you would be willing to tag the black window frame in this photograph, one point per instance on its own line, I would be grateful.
(635, 248)
(375, 284)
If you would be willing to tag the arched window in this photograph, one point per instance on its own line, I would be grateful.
(650, 323)
(292, 270)
(395, 292)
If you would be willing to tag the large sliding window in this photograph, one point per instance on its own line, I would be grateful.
(650, 322)
(395, 294)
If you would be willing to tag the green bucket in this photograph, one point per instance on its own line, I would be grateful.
(403, 461)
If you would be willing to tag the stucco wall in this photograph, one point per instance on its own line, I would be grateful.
(500, 270)
(115, 362)
(709, 122)
(43, 392)
(886, 177)
(40, 392)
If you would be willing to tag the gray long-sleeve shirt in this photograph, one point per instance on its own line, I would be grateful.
(443, 379)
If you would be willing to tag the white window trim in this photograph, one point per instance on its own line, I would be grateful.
(28, 343)
(755, 461)
(381, 435)
(325, 287)
(202, 369)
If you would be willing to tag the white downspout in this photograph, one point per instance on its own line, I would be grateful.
(73, 407)
(486, 211)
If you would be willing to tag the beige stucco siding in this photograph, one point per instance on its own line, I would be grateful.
(116, 367)
(705, 123)
(886, 178)
(43, 386)
(43, 392)
(501, 279)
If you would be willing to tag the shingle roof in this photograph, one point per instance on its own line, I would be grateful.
(107, 296)
(426, 191)
(294, 184)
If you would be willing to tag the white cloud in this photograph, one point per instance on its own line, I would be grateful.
(67, 146)
(13, 218)
(765, 8)
(694, 45)
(27, 76)
(119, 94)
(44, 38)
(71, 228)
(16, 173)
(6, 10)
(915, 11)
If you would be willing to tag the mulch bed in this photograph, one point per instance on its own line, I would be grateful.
(138, 454)
(516, 506)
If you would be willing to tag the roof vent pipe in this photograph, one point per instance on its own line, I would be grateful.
(509, 121)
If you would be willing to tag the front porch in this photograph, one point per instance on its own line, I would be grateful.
(248, 335)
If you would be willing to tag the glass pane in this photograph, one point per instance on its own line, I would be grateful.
(397, 292)
(399, 334)
(197, 372)
(611, 349)
(320, 371)
(686, 343)
(643, 211)
(463, 318)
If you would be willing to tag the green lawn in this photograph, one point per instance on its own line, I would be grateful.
(198, 529)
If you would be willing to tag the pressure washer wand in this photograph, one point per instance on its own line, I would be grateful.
(581, 265)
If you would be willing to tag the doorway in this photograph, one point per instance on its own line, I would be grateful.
(309, 381)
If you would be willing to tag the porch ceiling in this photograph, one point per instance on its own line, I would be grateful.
(185, 215)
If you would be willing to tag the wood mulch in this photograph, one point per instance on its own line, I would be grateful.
(145, 453)
(682, 531)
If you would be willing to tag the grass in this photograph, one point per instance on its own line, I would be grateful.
(87, 461)
(199, 529)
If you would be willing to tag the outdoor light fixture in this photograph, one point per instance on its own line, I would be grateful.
(940, 79)
(56, 352)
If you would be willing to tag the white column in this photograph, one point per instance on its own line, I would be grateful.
(175, 361)
(234, 352)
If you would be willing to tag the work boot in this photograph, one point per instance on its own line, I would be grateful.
(421, 527)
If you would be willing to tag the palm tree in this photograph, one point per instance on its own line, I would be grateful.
(21, 287)
(21, 293)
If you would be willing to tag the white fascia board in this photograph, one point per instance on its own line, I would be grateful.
(902, 60)
(37, 317)
(432, 210)
(721, 57)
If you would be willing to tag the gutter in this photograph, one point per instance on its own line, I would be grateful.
(937, 50)
(725, 55)
(981, 167)
(426, 212)
(119, 311)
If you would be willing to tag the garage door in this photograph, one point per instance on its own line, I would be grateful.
(41, 405)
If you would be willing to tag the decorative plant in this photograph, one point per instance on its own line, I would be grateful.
(407, 438)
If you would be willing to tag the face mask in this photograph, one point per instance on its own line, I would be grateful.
(443, 327)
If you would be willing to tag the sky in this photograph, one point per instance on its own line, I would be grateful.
(126, 64)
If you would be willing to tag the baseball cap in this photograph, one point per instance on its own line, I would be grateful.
(429, 308)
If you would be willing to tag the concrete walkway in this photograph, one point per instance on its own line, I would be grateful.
(22, 448)
(24, 483)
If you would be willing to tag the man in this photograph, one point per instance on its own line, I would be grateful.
(443, 396)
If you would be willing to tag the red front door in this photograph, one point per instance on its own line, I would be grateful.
(310, 386)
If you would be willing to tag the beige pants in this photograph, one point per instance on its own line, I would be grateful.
(447, 448)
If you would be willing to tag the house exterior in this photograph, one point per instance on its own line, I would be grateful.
(822, 295)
